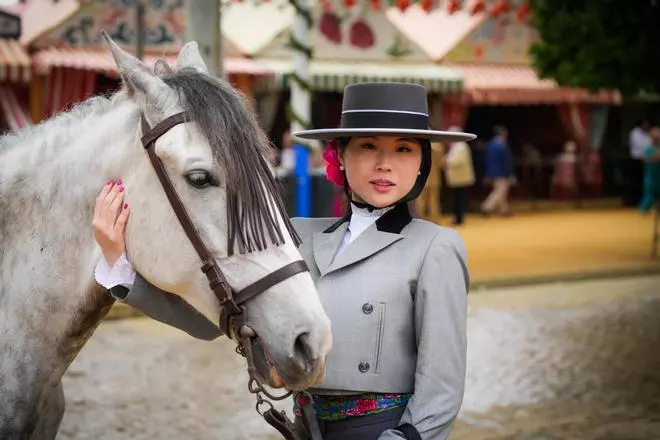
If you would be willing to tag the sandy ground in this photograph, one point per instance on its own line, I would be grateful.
(555, 361)
(540, 245)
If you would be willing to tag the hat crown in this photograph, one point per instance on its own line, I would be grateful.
(384, 109)
(396, 97)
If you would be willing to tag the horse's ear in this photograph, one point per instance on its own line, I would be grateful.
(139, 80)
(161, 68)
(189, 56)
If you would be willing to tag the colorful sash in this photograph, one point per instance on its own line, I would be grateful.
(330, 408)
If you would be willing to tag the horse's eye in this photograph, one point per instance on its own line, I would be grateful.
(200, 179)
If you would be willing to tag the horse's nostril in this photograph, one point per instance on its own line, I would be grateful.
(302, 350)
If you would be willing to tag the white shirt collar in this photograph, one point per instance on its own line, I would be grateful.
(361, 219)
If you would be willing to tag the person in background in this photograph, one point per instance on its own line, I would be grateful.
(499, 170)
(459, 173)
(532, 170)
(287, 157)
(638, 141)
(564, 179)
(651, 171)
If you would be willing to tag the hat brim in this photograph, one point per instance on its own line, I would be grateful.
(329, 134)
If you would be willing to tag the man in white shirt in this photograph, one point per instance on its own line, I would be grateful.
(639, 139)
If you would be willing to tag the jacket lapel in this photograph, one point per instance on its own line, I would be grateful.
(325, 245)
(384, 232)
(368, 243)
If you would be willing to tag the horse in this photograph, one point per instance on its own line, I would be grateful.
(50, 175)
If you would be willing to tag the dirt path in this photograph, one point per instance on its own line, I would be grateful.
(564, 361)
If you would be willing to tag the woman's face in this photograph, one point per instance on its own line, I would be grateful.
(381, 169)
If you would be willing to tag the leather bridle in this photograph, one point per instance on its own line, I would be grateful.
(232, 317)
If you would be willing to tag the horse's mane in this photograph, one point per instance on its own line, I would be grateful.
(239, 145)
(65, 122)
(236, 139)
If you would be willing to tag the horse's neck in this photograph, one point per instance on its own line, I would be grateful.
(49, 301)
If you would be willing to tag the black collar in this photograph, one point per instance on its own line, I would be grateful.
(393, 221)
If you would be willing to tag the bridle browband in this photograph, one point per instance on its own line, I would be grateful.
(232, 315)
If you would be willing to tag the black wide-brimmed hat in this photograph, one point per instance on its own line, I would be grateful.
(392, 109)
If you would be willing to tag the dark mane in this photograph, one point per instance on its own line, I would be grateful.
(239, 145)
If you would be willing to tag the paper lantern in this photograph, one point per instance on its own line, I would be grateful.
(478, 7)
(454, 6)
(500, 7)
(523, 12)
(403, 4)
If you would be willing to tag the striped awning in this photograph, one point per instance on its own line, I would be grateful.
(13, 109)
(14, 62)
(492, 84)
(333, 76)
(100, 60)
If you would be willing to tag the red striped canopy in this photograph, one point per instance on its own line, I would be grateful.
(14, 62)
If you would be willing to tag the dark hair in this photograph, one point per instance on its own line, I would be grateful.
(239, 145)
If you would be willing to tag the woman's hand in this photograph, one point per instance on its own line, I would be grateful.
(109, 222)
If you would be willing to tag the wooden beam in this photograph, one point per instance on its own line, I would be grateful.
(243, 82)
(37, 98)
(203, 26)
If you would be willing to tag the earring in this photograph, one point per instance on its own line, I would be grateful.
(419, 173)
(341, 167)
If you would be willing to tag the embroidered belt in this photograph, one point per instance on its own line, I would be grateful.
(331, 408)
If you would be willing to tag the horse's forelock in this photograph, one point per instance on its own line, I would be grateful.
(239, 145)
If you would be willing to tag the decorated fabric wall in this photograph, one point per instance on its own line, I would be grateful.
(64, 88)
(499, 39)
(351, 34)
(165, 23)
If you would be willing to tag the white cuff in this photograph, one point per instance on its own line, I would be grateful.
(121, 273)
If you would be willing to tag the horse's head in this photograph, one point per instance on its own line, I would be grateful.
(216, 164)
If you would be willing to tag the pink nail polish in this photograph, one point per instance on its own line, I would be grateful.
(119, 182)
(121, 189)
(109, 182)
(125, 205)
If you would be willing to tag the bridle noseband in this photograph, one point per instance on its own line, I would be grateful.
(232, 316)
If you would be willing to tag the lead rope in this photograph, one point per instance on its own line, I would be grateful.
(277, 419)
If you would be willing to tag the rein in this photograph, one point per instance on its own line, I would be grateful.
(232, 315)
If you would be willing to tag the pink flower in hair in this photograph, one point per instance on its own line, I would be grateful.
(333, 171)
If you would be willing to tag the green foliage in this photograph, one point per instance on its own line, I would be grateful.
(599, 44)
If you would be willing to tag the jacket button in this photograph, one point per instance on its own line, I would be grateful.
(364, 367)
(367, 308)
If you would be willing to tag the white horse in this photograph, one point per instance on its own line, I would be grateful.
(49, 177)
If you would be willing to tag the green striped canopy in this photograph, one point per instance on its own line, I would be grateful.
(333, 76)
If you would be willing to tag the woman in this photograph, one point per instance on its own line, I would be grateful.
(395, 288)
